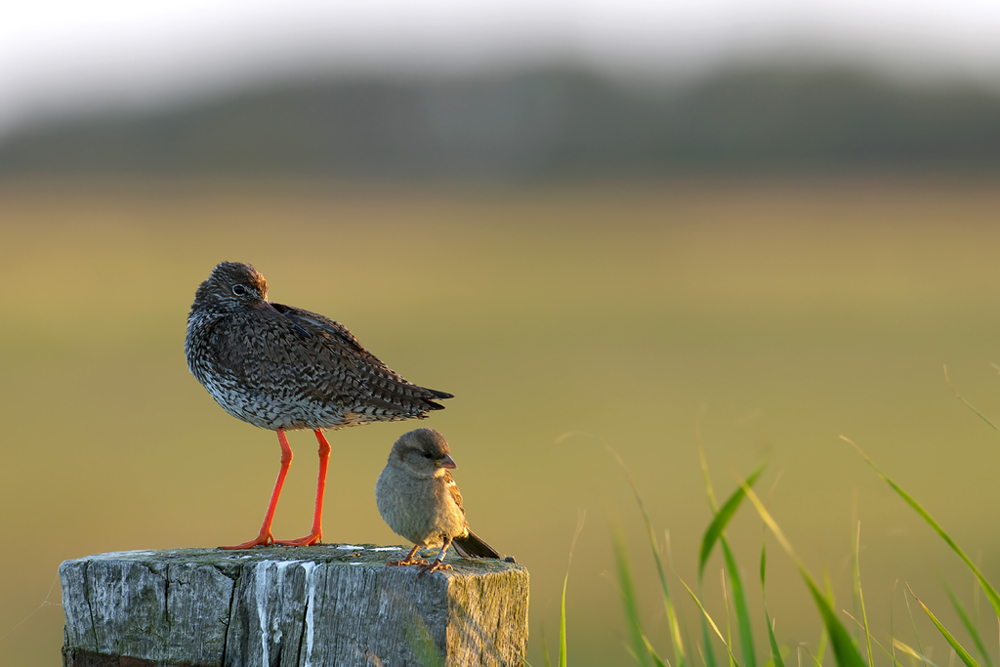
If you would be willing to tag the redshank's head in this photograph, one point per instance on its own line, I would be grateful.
(232, 287)
(424, 451)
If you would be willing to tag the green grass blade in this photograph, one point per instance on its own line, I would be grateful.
(913, 622)
(629, 601)
(916, 655)
(545, 654)
(970, 626)
(705, 474)
(775, 651)
(816, 661)
(892, 628)
(715, 628)
(562, 610)
(991, 593)
(877, 643)
(763, 568)
(706, 641)
(824, 639)
(562, 625)
(729, 625)
(740, 605)
(967, 404)
(675, 628)
(975, 594)
(699, 648)
(672, 620)
(844, 650)
(775, 660)
(722, 518)
(962, 653)
(545, 649)
(856, 557)
(652, 652)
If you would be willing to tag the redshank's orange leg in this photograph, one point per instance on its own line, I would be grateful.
(264, 538)
(317, 530)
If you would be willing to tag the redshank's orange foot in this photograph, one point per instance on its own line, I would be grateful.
(406, 561)
(306, 541)
(259, 541)
(433, 567)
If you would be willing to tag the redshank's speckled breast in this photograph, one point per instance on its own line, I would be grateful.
(279, 367)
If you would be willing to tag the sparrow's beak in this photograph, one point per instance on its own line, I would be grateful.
(447, 462)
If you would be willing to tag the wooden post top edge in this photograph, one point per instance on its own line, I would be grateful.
(346, 554)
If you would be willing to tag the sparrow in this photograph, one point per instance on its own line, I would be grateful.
(418, 498)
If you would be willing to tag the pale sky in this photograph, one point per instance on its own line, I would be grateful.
(60, 53)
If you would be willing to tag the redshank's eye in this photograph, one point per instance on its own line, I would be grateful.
(239, 290)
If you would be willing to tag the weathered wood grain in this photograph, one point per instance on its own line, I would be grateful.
(282, 607)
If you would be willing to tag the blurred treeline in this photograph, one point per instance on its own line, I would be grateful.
(535, 123)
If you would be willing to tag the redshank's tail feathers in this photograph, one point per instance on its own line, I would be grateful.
(472, 546)
(438, 395)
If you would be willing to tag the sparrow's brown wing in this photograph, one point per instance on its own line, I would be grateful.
(469, 545)
(473, 546)
(456, 495)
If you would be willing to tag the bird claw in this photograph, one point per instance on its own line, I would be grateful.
(437, 565)
(262, 540)
(406, 561)
(266, 540)
(307, 541)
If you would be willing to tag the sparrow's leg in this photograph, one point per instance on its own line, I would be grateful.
(437, 564)
(317, 530)
(264, 538)
(409, 560)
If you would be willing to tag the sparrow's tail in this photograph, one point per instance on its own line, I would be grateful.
(471, 546)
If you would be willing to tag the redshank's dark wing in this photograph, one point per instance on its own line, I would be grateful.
(308, 323)
(326, 363)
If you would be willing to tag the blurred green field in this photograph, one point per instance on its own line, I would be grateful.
(780, 314)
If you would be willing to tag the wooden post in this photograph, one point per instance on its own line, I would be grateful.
(324, 606)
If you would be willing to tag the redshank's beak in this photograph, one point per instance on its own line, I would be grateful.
(447, 462)
(266, 305)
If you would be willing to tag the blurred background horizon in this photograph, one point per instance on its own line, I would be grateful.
(498, 91)
(619, 223)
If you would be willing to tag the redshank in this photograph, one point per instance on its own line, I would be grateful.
(284, 368)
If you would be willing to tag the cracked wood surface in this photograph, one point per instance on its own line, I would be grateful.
(281, 607)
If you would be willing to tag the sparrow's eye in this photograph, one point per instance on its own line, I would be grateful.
(428, 455)
(239, 290)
